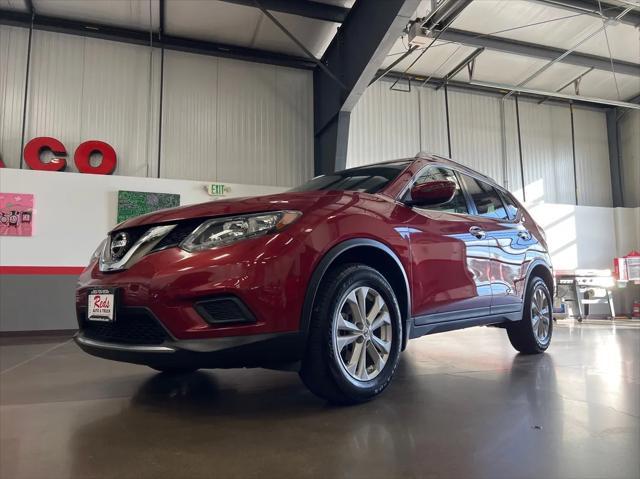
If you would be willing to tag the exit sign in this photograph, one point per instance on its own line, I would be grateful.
(217, 189)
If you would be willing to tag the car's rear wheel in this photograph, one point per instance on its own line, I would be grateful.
(533, 334)
(354, 337)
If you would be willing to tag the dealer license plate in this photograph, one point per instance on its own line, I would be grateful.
(101, 305)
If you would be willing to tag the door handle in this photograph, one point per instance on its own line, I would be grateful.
(477, 232)
(524, 235)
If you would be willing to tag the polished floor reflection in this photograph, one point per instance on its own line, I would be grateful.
(463, 404)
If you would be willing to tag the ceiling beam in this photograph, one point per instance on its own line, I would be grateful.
(591, 7)
(141, 37)
(458, 68)
(445, 13)
(544, 52)
(501, 90)
(354, 56)
(301, 8)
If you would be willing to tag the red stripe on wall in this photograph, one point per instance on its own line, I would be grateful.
(42, 270)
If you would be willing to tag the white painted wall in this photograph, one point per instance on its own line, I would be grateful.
(587, 237)
(74, 212)
(222, 120)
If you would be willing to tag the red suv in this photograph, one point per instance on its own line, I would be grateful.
(331, 278)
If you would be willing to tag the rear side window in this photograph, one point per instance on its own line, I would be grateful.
(457, 204)
(510, 204)
(486, 199)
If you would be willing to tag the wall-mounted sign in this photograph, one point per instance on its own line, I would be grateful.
(82, 157)
(136, 203)
(217, 189)
(16, 214)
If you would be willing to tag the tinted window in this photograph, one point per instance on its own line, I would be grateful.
(367, 179)
(510, 204)
(458, 203)
(486, 198)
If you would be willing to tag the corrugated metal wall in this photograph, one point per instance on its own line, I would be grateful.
(245, 122)
(592, 157)
(13, 65)
(433, 121)
(385, 124)
(477, 138)
(223, 120)
(630, 155)
(189, 117)
(86, 89)
(484, 136)
(547, 152)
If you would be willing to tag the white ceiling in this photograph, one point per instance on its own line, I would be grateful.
(525, 20)
(245, 26)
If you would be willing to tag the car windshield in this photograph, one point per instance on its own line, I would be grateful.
(366, 179)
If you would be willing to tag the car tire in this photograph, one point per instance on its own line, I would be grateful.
(174, 369)
(337, 367)
(532, 335)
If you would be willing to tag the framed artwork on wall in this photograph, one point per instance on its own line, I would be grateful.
(136, 203)
(16, 214)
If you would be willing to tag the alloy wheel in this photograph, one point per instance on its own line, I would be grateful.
(540, 315)
(362, 333)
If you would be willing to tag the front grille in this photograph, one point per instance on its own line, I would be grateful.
(224, 310)
(134, 234)
(131, 326)
(177, 234)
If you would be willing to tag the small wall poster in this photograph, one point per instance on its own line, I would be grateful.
(16, 214)
(136, 203)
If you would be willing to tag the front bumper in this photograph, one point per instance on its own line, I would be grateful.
(253, 288)
(275, 350)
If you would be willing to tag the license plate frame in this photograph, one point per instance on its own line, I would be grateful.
(101, 305)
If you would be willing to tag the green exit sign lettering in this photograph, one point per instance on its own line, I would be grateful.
(217, 189)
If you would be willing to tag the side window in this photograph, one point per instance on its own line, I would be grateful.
(457, 204)
(512, 207)
(486, 199)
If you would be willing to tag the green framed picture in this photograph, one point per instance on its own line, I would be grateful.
(136, 203)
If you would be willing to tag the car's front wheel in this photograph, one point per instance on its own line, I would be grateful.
(532, 335)
(354, 337)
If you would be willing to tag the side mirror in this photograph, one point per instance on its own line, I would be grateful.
(432, 193)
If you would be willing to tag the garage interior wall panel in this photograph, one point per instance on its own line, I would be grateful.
(385, 125)
(547, 152)
(294, 126)
(120, 103)
(478, 139)
(14, 43)
(233, 121)
(87, 89)
(55, 89)
(592, 157)
(223, 120)
(189, 117)
(629, 128)
(433, 121)
(247, 129)
(512, 177)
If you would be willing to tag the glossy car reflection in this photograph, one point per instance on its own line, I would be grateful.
(332, 278)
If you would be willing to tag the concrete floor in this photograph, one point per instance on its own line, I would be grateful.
(463, 404)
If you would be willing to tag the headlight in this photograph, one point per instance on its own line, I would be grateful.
(96, 254)
(224, 231)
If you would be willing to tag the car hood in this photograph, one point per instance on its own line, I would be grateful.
(300, 201)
